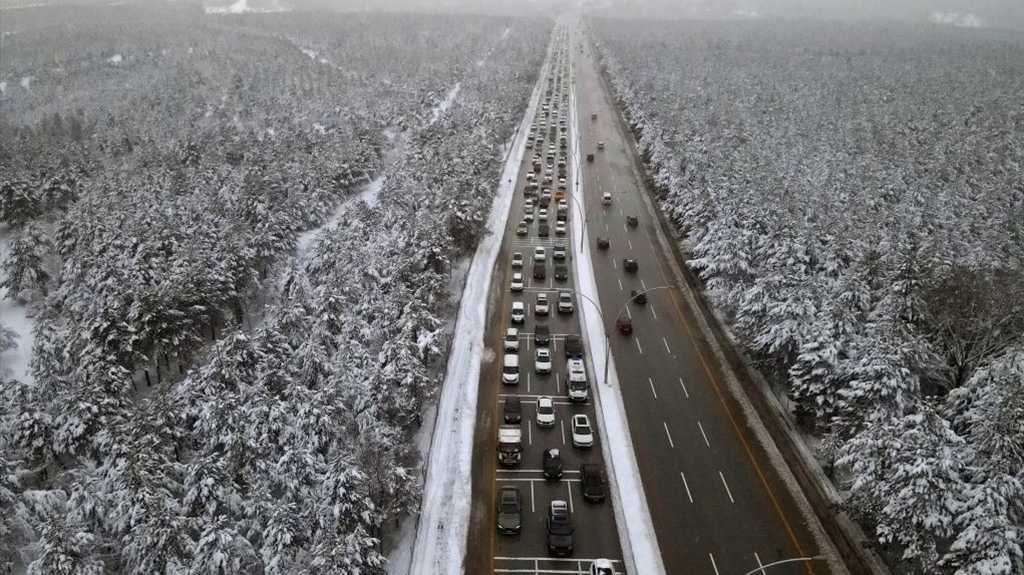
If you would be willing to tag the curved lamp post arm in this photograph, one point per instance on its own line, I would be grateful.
(762, 568)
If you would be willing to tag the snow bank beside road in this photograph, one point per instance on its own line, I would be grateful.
(636, 528)
(440, 546)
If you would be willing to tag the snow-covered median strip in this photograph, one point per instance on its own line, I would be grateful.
(636, 529)
(440, 546)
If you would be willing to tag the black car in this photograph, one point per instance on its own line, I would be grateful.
(510, 516)
(602, 243)
(560, 529)
(573, 347)
(638, 297)
(630, 265)
(540, 271)
(513, 410)
(552, 464)
(593, 482)
(631, 221)
(561, 273)
(542, 335)
(559, 253)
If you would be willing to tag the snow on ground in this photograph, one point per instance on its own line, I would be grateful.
(26, 82)
(13, 316)
(636, 529)
(3, 87)
(115, 59)
(443, 105)
(242, 6)
(440, 545)
(961, 20)
(504, 35)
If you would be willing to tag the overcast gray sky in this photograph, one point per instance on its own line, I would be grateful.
(989, 13)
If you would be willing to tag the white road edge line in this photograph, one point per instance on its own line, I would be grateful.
(669, 435)
(726, 485)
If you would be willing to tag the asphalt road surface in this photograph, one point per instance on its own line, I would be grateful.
(595, 535)
(718, 507)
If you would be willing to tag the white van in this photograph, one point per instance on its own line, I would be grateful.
(510, 369)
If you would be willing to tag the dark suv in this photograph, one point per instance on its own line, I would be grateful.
(510, 517)
(593, 482)
(560, 529)
(552, 464)
(573, 347)
(513, 410)
(542, 335)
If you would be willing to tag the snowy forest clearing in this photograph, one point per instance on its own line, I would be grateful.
(291, 441)
(851, 197)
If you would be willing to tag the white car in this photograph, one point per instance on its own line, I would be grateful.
(575, 366)
(510, 369)
(545, 411)
(600, 145)
(559, 228)
(565, 304)
(606, 199)
(601, 567)
(540, 255)
(511, 340)
(541, 307)
(517, 260)
(517, 282)
(518, 312)
(542, 215)
(542, 360)
(582, 433)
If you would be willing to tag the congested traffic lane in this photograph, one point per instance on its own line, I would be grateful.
(717, 506)
(595, 529)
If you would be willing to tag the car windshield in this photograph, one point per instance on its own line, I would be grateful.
(545, 409)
